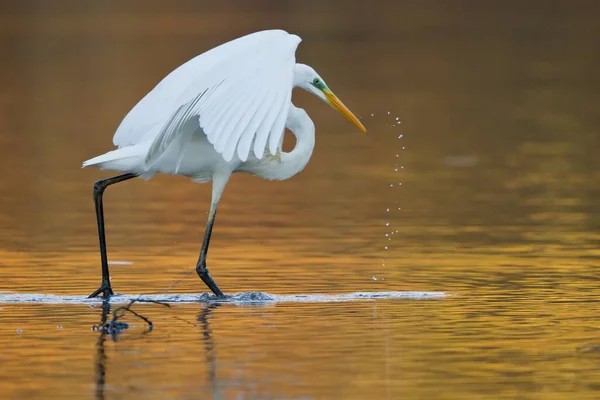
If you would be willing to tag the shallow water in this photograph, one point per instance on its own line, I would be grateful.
(485, 287)
(248, 298)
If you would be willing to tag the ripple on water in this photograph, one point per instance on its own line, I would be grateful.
(247, 297)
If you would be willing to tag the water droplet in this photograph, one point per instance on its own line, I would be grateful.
(391, 184)
(403, 147)
(91, 305)
(374, 278)
(372, 115)
(389, 114)
(387, 224)
(58, 326)
(19, 330)
(388, 210)
(400, 137)
(396, 169)
(385, 248)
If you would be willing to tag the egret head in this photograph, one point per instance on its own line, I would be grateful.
(308, 79)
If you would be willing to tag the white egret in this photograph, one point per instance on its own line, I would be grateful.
(223, 111)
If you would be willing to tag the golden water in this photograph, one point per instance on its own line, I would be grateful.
(498, 207)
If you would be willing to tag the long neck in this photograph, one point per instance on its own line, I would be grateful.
(300, 124)
(289, 164)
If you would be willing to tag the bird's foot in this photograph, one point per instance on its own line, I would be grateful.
(202, 272)
(105, 289)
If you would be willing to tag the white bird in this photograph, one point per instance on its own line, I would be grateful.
(223, 111)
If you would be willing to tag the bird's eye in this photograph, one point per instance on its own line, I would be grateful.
(316, 81)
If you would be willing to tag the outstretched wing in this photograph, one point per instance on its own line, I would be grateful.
(239, 95)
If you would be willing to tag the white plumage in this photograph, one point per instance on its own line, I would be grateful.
(239, 110)
(223, 111)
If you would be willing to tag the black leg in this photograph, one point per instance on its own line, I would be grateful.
(201, 265)
(99, 188)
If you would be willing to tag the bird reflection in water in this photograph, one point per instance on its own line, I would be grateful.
(209, 345)
(114, 328)
(100, 350)
(111, 328)
(241, 385)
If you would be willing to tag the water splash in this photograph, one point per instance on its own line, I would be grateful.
(238, 298)
(394, 124)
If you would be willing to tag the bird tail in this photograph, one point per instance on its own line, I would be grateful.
(128, 159)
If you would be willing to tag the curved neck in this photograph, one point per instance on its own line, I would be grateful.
(289, 164)
(300, 124)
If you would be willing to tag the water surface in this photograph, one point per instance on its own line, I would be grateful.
(490, 196)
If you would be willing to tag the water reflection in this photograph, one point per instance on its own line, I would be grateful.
(209, 345)
(498, 206)
(101, 357)
(111, 326)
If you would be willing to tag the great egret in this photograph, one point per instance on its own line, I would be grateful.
(223, 111)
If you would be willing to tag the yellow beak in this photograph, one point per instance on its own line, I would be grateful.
(338, 105)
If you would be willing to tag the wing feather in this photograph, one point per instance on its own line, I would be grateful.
(249, 133)
(173, 126)
(231, 113)
(240, 103)
(159, 104)
(215, 110)
(243, 107)
(277, 132)
(262, 134)
(244, 124)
